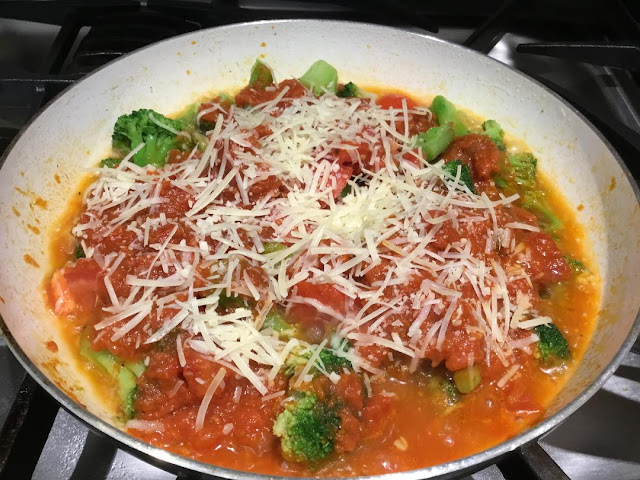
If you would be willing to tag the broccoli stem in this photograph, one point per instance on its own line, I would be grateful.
(272, 247)
(446, 112)
(189, 117)
(535, 201)
(320, 77)
(435, 140)
(467, 379)
(124, 373)
(127, 386)
(524, 168)
(261, 76)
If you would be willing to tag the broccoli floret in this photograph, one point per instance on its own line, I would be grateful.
(307, 428)
(494, 131)
(576, 265)
(110, 162)
(524, 167)
(552, 344)
(349, 90)
(78, 252)
(535, 201)
(435, 140)
(327, 360)
(465, 173)
(261, 76)
(157, 132)
(332, 362)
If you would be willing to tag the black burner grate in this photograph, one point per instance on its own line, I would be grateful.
(37, 438)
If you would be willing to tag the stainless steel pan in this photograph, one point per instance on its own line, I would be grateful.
(43, 168)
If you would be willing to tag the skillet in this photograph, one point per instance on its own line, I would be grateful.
(43, 168)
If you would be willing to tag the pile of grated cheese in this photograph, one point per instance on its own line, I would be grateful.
(391, 217)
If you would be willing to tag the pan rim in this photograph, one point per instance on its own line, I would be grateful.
(457, 466)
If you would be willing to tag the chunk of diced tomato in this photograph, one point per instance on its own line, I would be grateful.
(394, 100)
(74, 288)
(338, 178)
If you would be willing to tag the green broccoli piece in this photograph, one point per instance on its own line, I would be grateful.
(103, 359)
(449, 390)
(78, 252)
(552, 344)
(272, 247)
(524, 167)
(110, 162)
(276, 322)
(129, 409)
(345, 191)
(191, 134)
(332, 362)
(157, 132)
(446, 112)
(535, 201)
(467, 379)
(230, 301)
(349, 90)
(126, 374)
(435, 141)
(307, 429)
(127, 388)
(576, 265)
(465, 173)
(500, 182)
(320, 77)
(137, 368)
(189, 117)
(261, 76)
(327, 359)
(442, 387)
(494, 131)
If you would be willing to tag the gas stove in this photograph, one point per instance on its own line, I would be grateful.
(587, 51)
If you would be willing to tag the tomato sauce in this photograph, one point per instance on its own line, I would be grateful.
(395, 424)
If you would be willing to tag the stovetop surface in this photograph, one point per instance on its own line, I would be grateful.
(601, 440)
